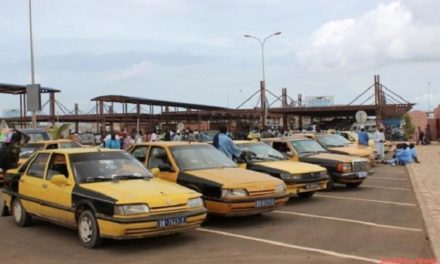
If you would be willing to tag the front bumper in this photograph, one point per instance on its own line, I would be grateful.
(349, 177)
(131, 228)
(242, 207)
(293, 189)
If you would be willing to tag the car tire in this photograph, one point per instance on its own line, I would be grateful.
(353, 185)
(330, 184)
(305, 195)
(21, 217)
(88, 230)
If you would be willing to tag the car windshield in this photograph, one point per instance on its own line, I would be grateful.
(306, 147)
(37, 136)
(329, 141)
(107, 166)
(199, 157)
(28, 149)
(263, 152)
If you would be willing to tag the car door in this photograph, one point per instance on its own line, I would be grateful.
(31, 183)
(57, 197)
(159, 158)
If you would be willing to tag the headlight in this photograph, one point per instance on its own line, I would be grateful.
(234, 193)
(344, 167)
(131, 209)
(290, 177)
(195, 202)
(280, 188)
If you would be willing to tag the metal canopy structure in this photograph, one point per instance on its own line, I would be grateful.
(16, 89)
(21, 89)
(154, 102)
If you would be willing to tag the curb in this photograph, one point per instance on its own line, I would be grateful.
(434, 239)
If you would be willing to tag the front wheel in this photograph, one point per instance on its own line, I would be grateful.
(353, 185)
(21, 217)
(305, 195)
(88, 230)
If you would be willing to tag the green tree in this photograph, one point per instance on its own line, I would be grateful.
(408, 126)
(58, 131)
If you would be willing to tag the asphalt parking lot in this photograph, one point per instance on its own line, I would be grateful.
(380, 220)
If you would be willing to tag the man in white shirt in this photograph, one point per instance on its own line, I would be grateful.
(154, 137)
(379, 140)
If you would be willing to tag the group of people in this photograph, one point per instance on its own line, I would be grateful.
(379, 142)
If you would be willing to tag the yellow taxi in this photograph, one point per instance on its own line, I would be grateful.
(227, 189)
(28, 149)
(339, 145)
(101, 193)
(342, 169)
(302, 179)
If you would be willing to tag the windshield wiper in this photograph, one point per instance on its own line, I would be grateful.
(96, 179)
(131, 177)
(276, 157)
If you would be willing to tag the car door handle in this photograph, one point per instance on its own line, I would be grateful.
(44, 186)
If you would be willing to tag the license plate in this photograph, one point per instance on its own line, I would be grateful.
(169, 222)
(264, 203)
(362, 174)
(312, 186)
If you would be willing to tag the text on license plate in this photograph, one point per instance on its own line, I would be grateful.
(312, 186)
(264, 203)
(169, 222)
(362, 174)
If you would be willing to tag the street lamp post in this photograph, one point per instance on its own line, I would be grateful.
(34, 113)
(263, 82)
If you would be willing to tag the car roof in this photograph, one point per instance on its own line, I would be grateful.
(246, 142)
(294, 138)
(51, 141)
(78, 150)
(170, 143)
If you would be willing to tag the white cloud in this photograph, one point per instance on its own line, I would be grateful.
(388, 34)
(131, 72)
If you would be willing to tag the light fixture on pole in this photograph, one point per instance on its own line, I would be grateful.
(263, 82)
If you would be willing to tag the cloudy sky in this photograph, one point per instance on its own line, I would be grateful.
(194, 51)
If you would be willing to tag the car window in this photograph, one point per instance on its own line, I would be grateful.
(140, 153)
(158, 156)
(281, 147)
(52, 146)
(38, 166)
(198, 157)
(28, 149)
(57, 165)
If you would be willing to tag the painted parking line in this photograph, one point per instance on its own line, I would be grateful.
(364, 200)
(387, 188)
(350, 221)
(281, 244)
(386, 178)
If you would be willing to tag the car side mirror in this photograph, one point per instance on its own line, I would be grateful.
(165, 167)
(155, 172)
(58, 179)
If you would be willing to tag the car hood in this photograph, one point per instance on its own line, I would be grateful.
(294, 167)
(154, 192)
(235, 177)
(329, 157)
(353, 150)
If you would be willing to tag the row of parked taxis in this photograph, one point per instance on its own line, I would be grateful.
(159, 188)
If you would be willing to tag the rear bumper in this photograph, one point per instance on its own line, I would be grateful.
(242, 207)
(115, 228)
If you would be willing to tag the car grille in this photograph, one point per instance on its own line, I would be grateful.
(257, 193)
(359, 166)
(171, 208)
(310, 175)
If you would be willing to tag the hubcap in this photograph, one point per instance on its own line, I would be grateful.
(17, 211)
(85, 229)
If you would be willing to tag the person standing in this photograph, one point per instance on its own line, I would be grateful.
(379, 140)
(363, 137)
(113, 142)
(10, 152)
(154, 137)
(226, 145)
